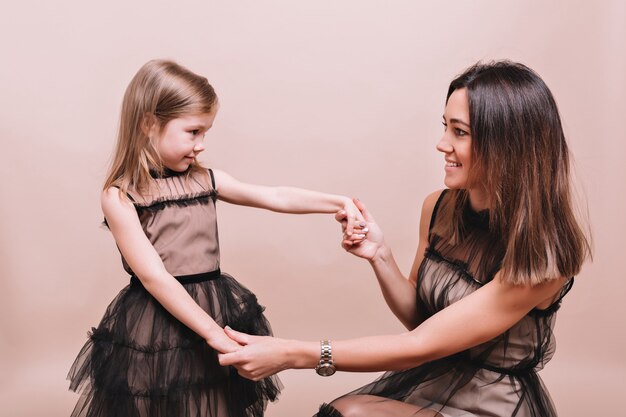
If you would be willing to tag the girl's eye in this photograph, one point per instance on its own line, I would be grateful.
(195, 132)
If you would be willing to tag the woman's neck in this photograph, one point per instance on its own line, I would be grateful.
(479, 199)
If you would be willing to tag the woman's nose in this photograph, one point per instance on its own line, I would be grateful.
(444, 146)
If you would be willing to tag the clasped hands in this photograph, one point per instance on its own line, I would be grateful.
(257, 357)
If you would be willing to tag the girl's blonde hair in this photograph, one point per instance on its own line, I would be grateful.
(160, 92)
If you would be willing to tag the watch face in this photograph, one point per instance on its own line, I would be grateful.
(326, 369)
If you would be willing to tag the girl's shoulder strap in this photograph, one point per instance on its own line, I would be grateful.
(212, 178)
(130, 197)
(127, 194)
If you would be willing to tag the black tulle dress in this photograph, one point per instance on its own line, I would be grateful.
(141, 361)
(497, 378)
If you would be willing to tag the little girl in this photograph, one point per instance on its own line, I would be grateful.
(154, 354)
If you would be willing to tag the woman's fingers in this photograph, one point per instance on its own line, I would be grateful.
(349, 242)
(350, 225)
(253, 376)
(354, 217)
(354, 230)
(358, 224)
(257, 360)
(226, 359)
(239, 337)
(347, 221)
(237, 360)
(357, 234)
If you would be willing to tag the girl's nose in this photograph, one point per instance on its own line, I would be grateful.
(199, 147)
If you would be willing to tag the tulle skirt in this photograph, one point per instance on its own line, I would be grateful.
(142, 362)
(448, 387)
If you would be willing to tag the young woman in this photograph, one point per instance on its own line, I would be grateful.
(497, 253)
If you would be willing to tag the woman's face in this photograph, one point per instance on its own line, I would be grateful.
(456, 142)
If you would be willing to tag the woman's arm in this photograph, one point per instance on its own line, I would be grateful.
(146, 263)
(398, 291)
(284, 199)
(477, 318)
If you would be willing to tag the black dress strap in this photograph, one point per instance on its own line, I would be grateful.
(435, 209)
(212, 179)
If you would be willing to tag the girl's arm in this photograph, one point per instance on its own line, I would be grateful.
(284, 199)
(475, 319)
(398, 291)
(146, 263)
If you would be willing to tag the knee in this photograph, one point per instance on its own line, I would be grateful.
(351, 407)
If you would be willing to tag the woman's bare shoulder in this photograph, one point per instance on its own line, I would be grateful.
(428, 206)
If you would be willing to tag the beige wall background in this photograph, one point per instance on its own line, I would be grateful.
(341, 96)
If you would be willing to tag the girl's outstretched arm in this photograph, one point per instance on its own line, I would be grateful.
(285, 199)
(475, 319)
(399, 291)
(147, 265)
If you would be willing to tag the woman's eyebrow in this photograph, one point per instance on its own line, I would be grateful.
(454, 120)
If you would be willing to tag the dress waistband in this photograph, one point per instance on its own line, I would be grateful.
(513, 371)
(186, 279)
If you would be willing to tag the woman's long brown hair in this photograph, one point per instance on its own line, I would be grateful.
(521, 159)
(159, 92)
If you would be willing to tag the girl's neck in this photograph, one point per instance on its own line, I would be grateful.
(165, 172)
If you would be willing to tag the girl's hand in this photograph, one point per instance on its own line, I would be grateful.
(260, 356)
(355, 224)
(220, 341)
(367, 247)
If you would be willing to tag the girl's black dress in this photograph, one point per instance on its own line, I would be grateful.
(141, 361)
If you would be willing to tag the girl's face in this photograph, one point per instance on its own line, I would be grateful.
(456, 143)
(181, 139)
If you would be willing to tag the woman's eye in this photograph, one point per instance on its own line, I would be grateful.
(460, 132)
(195, 132)
(445, 125)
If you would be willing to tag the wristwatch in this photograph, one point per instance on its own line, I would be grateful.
(325, 367)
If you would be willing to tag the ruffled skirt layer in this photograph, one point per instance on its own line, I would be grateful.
(142, 362)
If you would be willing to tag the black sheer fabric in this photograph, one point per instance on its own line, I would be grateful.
(141, 361)
(496, 378)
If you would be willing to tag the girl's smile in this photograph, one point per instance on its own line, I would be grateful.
(181, 140)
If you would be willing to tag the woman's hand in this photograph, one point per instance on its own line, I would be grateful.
(219, 340)
(354, 224)
(368, 246)
(260, 356)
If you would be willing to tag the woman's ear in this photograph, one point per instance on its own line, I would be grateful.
(149, 124)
